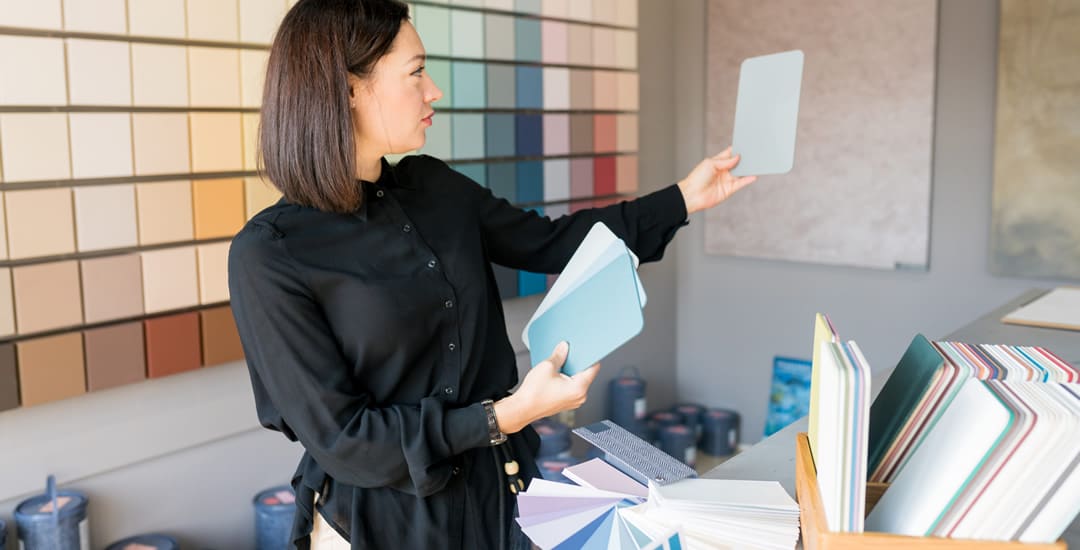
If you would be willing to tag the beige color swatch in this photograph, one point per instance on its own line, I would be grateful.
(7, 303)
(170, 279)
(605, 90)
(36, 75)
(580, 10)
(626, 133)
(39, 222)
(629, 91)
(105, 217)
(99, 72)
(581, 44)
(581, 89)
(158, 18)
(51, 369)
(40, 14)
(556, 88)
(159, 75)
(626, 174)
(35, 146)
(165, 212)
(626, 49)
(555, 8)
(3, 230)
(112, 288)
(213, 20)
(258, 194)
(115, 356)
(252, 76)
(603, 46)
(216, 142)
(219, 207)
(101, 16)
(162, 144)
(213, 273)
(259, 20)
(101, 145)
(214, 77)
(47, 296)
(251, 140)
(627, 13)
(605, 11)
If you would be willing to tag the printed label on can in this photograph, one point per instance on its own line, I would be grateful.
(84, 534)
(286, 497)
(639, 408)
(732, 438)
(691, 455)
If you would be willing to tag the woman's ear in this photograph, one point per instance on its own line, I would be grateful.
(354, 89)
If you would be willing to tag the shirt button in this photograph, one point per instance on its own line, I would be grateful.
(451, 346)
(449, 304)
(407, 228)
(448, 390)
(379, 193)
(431, 264)
(455, 471)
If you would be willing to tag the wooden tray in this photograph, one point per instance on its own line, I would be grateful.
(816, 536)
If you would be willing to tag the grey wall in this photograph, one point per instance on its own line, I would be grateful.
(190, 469)
(735, 314)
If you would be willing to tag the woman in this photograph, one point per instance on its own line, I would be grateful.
(367, 305)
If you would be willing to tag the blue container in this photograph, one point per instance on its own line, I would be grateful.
(626, 402)
(554, 438)
(720, 433)
(691, 414)
(157, 542)
(658, 421)
(679, 442)
(53, 520)
(274, 511)
(551, 468)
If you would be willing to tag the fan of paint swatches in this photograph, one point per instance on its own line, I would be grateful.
(563, 516)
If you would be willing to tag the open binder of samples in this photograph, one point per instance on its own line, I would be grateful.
(977, 442)
(595, 305)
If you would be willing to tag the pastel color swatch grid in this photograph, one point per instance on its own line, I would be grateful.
(127, 132)
(540, 102)
(128, 162)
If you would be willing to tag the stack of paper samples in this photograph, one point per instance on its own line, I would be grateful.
(719, 513)
(595, 304)
(839, 423)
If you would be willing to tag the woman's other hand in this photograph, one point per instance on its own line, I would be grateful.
(545, 391)
(711, 183)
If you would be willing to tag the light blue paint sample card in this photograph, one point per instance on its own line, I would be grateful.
(767, 113)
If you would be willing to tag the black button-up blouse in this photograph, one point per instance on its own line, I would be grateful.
(372, 338)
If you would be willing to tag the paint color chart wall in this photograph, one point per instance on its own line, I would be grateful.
(126, 166)
(540, 102)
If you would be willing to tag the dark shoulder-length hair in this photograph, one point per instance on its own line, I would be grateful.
(306, 144)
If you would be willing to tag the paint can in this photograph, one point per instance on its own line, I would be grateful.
(3, 534)
(626, 401)
(146, 542)
(720, 433)
(691, 416)
(55, 519)
(658, 421)
(274, 511)
(678, 441)
(554, 438)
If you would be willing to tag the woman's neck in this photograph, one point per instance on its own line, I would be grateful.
(369, 169)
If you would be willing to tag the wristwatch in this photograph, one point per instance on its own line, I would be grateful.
(495, 436)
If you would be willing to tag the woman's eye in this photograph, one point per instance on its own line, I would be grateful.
(419, 71)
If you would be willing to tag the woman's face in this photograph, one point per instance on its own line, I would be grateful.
(391, 109)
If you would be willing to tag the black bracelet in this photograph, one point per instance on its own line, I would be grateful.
(495, 435)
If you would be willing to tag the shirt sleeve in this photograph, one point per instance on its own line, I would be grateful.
(304, 385)
(524, 239)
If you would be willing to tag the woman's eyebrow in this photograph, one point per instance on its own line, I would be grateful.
(417, 57)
